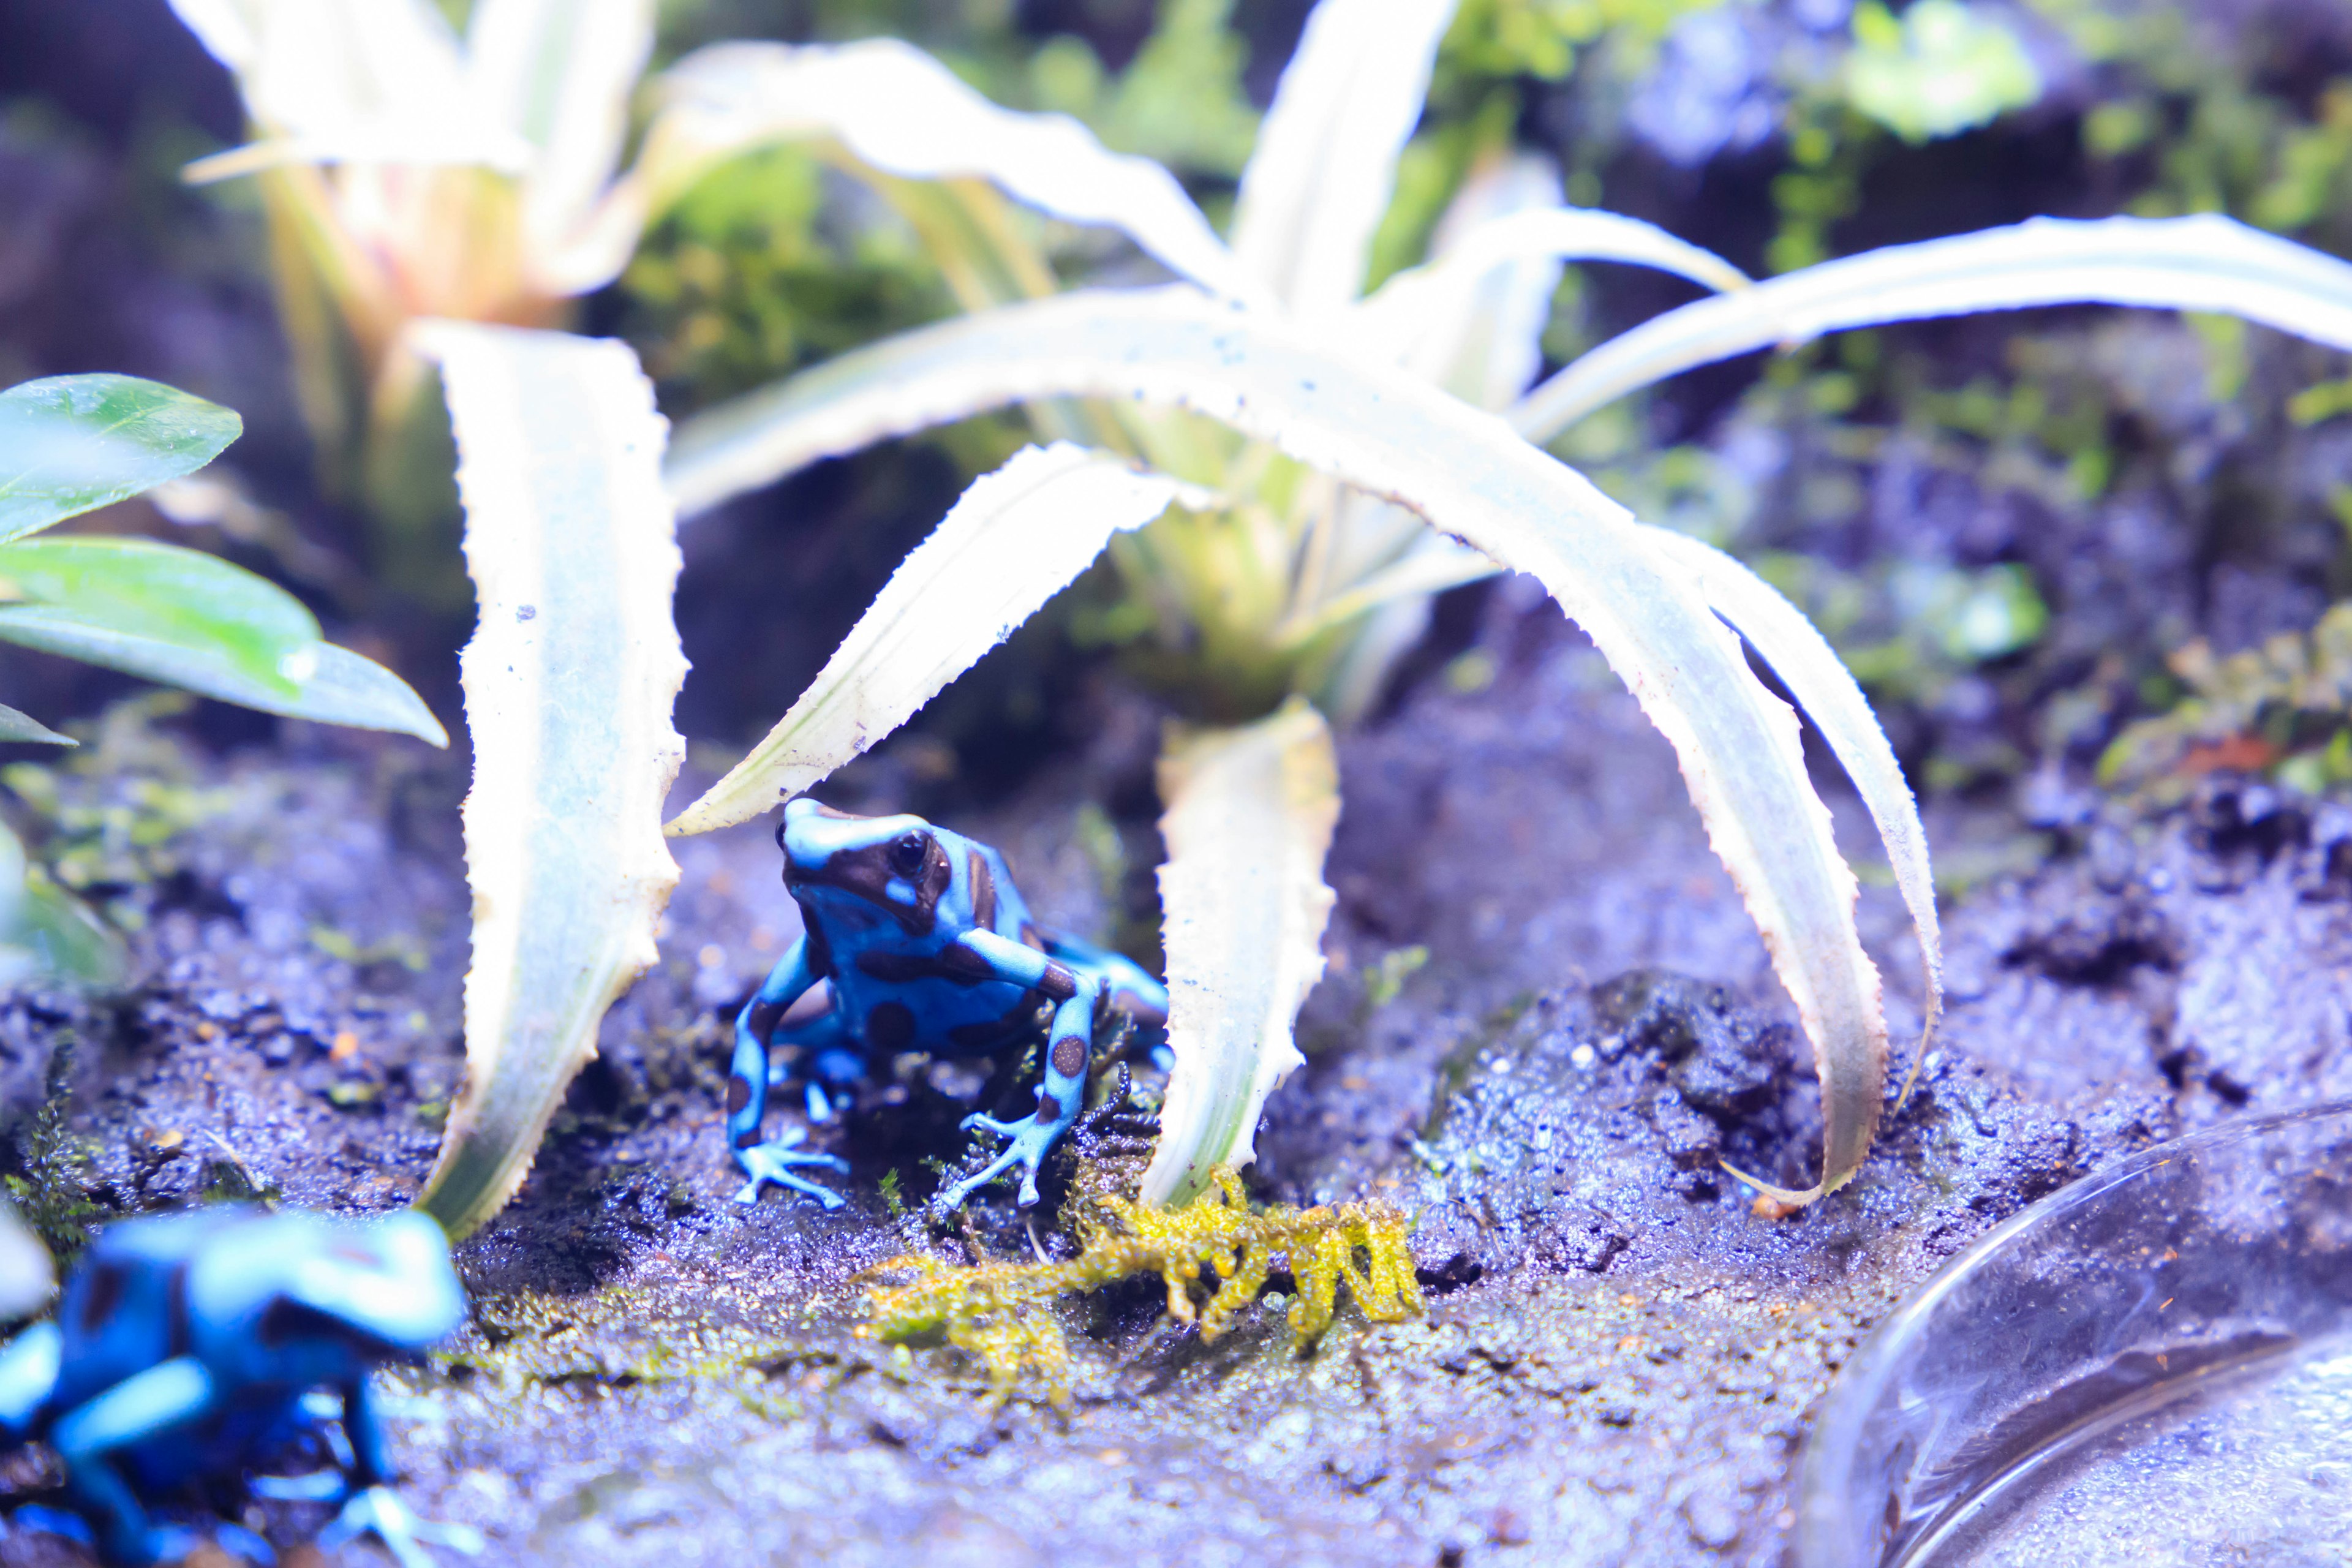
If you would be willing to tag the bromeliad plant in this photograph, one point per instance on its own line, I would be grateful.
(409, 175)
(1295, 441)
(427, 199)
(1300, 432)
(69, 444)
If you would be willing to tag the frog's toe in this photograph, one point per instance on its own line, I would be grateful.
(243, 1544)
(318, 1486)
(378, 1511)
(774, 1162)
(980, 1121)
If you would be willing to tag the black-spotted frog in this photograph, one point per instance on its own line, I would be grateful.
(927, 946)
(191, 1347)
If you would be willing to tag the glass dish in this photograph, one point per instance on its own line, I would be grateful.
(2153, 1365)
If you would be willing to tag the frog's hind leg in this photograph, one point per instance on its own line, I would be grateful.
(826, 1058)
(93, 1440)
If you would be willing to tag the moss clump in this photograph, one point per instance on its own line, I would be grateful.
(1002, 1313)
(50, 1184)
(2280, 708)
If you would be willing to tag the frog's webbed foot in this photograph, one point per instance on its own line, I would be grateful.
(774, 1162)
(378, 1511)
(1031, 1139)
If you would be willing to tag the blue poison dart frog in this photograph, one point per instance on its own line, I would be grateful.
(189, 1348)
(927, 947)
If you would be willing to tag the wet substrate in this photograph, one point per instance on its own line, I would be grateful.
(1620, 1353)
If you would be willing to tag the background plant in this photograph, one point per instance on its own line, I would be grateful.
(1286, 585)
(1232, 1007)
(408, 176)
(69, 444)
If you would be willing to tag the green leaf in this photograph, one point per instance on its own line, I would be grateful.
(16, 726)
(1396, 437)
(1016, 539)
(1943, 69)
(1248, 822)
(72, 443)
(168, 594)
(569, 681)
(48, 935)
(2202, 263)
(325, 683)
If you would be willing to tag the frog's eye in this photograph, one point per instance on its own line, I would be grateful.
(779, 836)
(906, 852)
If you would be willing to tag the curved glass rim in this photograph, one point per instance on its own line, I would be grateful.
(1830, 1450)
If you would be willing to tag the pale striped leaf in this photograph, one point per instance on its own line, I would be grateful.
(1481, 341)
(560, 73)
(1423, 302)
(1248, 820)
(1016, 538)
(17, 726)
(569, 682)
(1825, 689)
(348, 80)
(1385, 432)
(895, 109)
(27, 1275)
(2202, 263)
(1324, 165)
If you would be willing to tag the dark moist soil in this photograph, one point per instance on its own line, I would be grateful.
(1619, 1355)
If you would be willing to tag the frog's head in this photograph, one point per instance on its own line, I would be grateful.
(855, 868)
(382, 1288)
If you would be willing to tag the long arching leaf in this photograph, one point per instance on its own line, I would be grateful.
(1387, 434)
(1248, 821)
(2203, 263)
(1016, 539)
(1442, 287)
(569, 681)
(1324, 165)
(1825, 689)
(896, 109)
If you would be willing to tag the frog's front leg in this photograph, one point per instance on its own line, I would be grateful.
(1069, 1045)
(89, 1437)
(747, 1088)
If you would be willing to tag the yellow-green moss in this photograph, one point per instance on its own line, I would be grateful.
(1003, 1313)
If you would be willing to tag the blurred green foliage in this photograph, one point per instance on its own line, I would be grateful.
(2284, 708)
(755, 273)
(772, 263)
(1940, 68)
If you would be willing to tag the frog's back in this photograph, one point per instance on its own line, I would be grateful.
(126, 1308)
(900, 991)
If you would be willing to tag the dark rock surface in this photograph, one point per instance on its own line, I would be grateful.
(1619, 1356)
